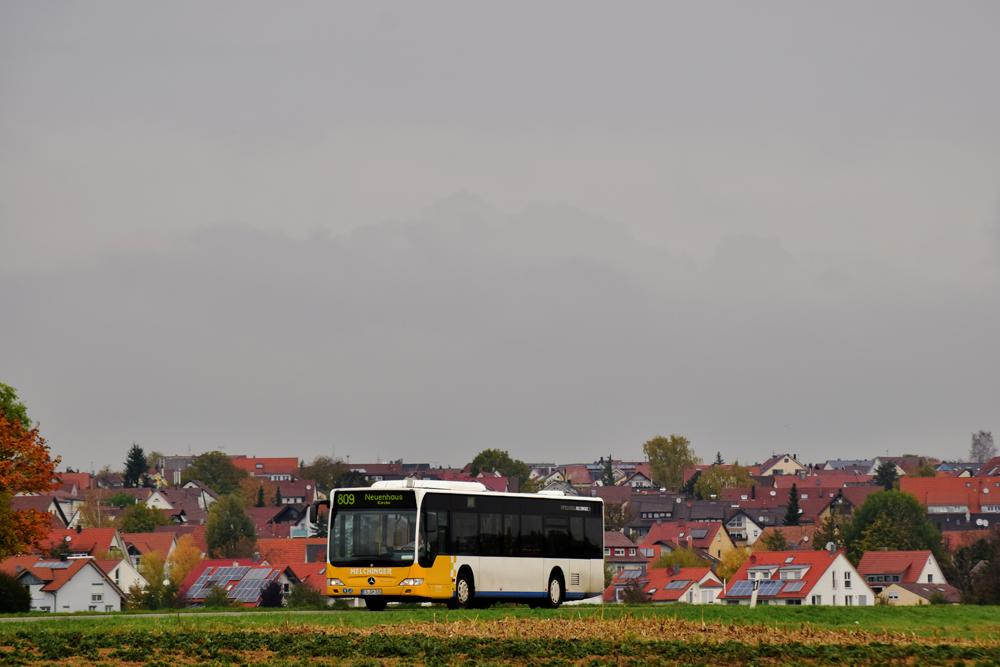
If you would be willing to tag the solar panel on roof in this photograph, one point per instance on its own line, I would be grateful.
(630, 574)
(54, 565)
(741, 588)
(257, 574)
(679, 584)
(699, 533)
(238, 572)
(768, 589)
(794, 586)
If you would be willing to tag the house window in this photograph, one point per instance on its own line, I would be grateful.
(848, 600)
(834, 601)
(793, 602)
(260, 466)
(893, 595)
(607, 551)
(45, 609)
(895, 578)
(834, 580)
(631, 552)
(930, 578)
(619, 552)
(92, 608)
(97, 598)
(847, 579)
(107, 607)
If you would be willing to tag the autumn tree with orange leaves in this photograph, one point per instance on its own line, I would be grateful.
(25, 467)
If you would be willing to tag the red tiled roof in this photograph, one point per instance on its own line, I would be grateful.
(269, 466)
(961, 491)
(990, 469)
(81, 479)
(149, 542)
(92, 541)
(577, 474)
(656, 580)
(614, 538)
(909, 564)
(282, 551)
(674, 532)
(311, 574)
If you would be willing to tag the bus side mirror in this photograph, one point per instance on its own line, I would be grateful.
(314, 509)
(431, 522)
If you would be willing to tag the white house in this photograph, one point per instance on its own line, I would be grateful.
(881, 569)
(66, 586)
(123, 573)
(799, 578)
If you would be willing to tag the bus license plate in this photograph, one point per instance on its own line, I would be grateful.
(371, 591)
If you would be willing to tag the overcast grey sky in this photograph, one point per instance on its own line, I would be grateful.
(420, 229)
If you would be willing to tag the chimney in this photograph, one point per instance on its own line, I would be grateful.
(753, 492)
(833, 548)
(63, 557)
(79, 529)
(885, 548)
(677, 569)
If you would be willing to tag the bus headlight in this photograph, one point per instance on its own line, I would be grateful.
(334, 582)
(411, 582)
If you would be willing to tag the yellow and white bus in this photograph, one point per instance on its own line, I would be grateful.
(456, 542)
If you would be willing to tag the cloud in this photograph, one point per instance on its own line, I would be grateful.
(551, 333)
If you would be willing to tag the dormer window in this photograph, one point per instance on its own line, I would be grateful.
(260, 466)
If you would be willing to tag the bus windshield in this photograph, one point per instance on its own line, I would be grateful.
(373, 536)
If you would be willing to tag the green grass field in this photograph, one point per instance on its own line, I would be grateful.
(591, 636)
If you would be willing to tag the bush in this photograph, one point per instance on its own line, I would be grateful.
(14, 597)
(216, 598)
(305, 596)
(272, 595)
(937, 597)
(634, 594)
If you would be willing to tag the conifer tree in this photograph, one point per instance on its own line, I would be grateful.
(608, 478)
(260, 496)
(277, 497)
(792, 513)
(135, 467)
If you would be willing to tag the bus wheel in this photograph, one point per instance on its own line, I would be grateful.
(375, 604)
(464, 592)
(555, 595)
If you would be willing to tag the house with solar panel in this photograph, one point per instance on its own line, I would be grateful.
(799, 578)
(666, 585)
(242, 579)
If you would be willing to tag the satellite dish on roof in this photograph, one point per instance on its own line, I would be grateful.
(308, 487)
(677, 500)
(68, 538)
(761, 519)
(830, 546)
(773, 493)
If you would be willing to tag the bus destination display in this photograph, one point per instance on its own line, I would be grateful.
(375, 499)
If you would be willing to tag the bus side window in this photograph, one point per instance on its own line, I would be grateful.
(511, 535)
(578, 540)
(490, 534)
(465, 533)
(594, 527)
(531, 535)
(442, 533)
(557, 536)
